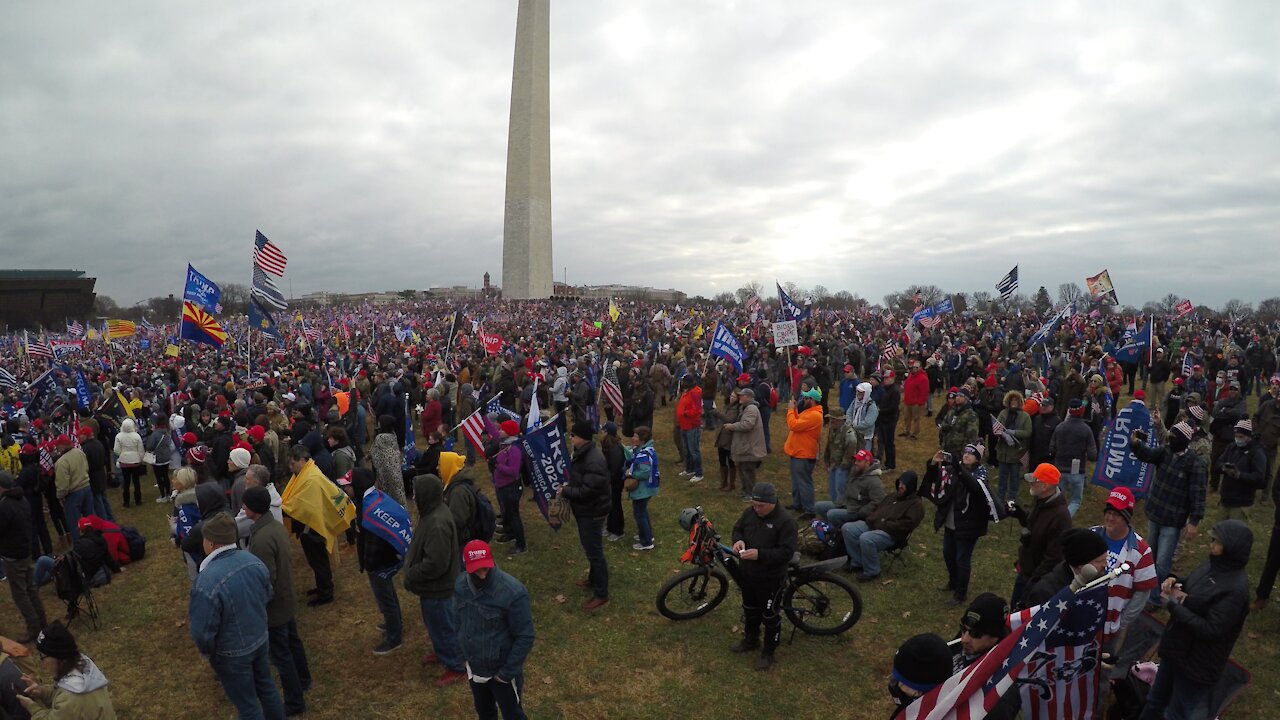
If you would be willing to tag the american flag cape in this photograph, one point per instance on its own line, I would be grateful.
(1051, 656)
(611, 390)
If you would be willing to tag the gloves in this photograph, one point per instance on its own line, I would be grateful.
(1009, 437)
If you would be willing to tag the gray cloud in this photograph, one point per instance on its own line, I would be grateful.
(694, 145)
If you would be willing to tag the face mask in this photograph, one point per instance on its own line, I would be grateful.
(1241, 442)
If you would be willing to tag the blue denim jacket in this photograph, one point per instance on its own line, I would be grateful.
(228, 607)
(495, 624)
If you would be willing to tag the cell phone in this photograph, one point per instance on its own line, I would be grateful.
(946, 457)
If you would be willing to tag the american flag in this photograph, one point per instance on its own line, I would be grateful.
(39, 348)
(1186, 364)
(7, 380)
(610, 388)
(493, 407)
(371, 353)
(311, 334)
(473, 427)
(1008, 284)
(267, 255)
(1051, 655)
(890, 352)
(279, 353)
(997, 427)
(75, 329)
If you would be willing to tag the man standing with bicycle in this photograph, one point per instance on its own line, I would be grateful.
(764, 539)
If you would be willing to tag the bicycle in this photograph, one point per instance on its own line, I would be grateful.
(813, 598)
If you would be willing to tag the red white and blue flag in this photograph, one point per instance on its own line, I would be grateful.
(267, 255)
(1051, 657)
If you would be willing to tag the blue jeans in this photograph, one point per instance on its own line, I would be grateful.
(837, 478)
(247, 682)
(102, 507)
(76, 505)
(1010, 476)
(290, 660)
(864, 546)
(437, 615)
(388, 601)
(640, 511)
(1163, 540)
(802, 483)
(837, 516)
(693, 451)
(957, 555)
(42, 572)
(1174, 697)
(592, 541)
(493, 697)
(1073, 487)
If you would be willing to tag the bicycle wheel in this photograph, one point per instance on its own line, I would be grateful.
(692, 593)
(825, 604)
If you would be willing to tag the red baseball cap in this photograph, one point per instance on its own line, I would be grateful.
(744, 378)
(1121, 499)
(477, 555)
(863, 455)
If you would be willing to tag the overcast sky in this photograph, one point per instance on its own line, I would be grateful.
(695, 145)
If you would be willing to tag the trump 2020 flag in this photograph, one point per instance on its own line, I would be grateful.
(1116, 464)
(202, 291)
(1050, 657)
(1136, 345)
(725, 345)
(790, 309)
(544, 450)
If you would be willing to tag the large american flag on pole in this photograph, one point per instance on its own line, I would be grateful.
(1051, 657)
(267, 255)
(610, 388)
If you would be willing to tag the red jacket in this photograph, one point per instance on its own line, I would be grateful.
(116, 544)
(689, 409)
(915, 389)
(432, 414)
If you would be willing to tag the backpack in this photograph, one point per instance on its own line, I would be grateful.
(68, 579)
(484, 522)
(137, 543)
(773, 396)
(821, 540)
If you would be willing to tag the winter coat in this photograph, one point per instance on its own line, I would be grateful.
(462, 503)
(804, 430)
(79, 695)
(495, 624)
(1248, 475)
(1041, 547)
(128, 445)
(898, 514)
(1266, 423)
(774, 535)
(71, 472)
(269, 542)
(689, 409)
(1040, 448)
(1072, 440)
(1203, 629)
(15, 524)
(588, 488)
(747, 434)
(957, 427)
(964, 496)
(915, 389)
(159, 442)
(433, 559)
(1226, 413)
(387, 460)
(117, 545)
(864, 491)
(507, 464)
(889, 403)
(1018, 423)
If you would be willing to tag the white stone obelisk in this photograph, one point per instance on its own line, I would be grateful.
(526, 230)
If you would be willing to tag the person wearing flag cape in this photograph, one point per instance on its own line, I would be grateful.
(319, 512)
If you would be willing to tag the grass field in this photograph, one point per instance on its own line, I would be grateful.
(625, 661)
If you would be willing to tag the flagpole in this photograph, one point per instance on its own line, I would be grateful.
(480, 407)
(26, 353)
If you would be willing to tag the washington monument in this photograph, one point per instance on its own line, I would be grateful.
(526, 229)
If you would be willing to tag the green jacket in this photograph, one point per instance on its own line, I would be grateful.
(1020, 426)
(957, 429)
(462, 504)
(432, 563)
(71, 472)
(80, 695)
(269, 541)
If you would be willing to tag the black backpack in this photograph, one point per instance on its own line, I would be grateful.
(137, 543)
(484, 522)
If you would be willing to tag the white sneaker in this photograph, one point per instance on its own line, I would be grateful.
(695, 479)
(642, 546)
(685, 473)
(160, 500)
(613, 538)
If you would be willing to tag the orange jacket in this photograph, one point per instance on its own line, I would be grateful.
(805, 429)
(689, 409)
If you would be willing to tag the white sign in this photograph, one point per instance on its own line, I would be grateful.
(785, 333)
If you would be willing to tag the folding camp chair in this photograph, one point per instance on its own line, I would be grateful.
(72, 587)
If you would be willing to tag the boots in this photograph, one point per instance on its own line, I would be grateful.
(1259, 604)
(733, 477)
(746, 644)
(724, 478)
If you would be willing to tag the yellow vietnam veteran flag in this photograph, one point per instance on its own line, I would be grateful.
(120, 328)
(613, 311)
(311, 499)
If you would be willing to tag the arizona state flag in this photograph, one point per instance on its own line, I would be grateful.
(199, 326)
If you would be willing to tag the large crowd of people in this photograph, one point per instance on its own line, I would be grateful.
(352, 438)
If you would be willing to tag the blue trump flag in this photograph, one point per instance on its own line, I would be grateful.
(544, 450)
(1136, 345)
(1116, 464)
(41, 388)
(83, 394)
(202, 291)
(725, 345)
(790, 309)
(386, 519)
(944, 307)
(410, 445)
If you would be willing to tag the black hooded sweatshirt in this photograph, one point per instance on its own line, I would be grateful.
(1204, 627)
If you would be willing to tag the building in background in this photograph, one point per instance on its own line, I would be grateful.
(31, 299)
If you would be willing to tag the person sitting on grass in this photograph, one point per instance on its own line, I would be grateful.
(888, 525)
(79, 688)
